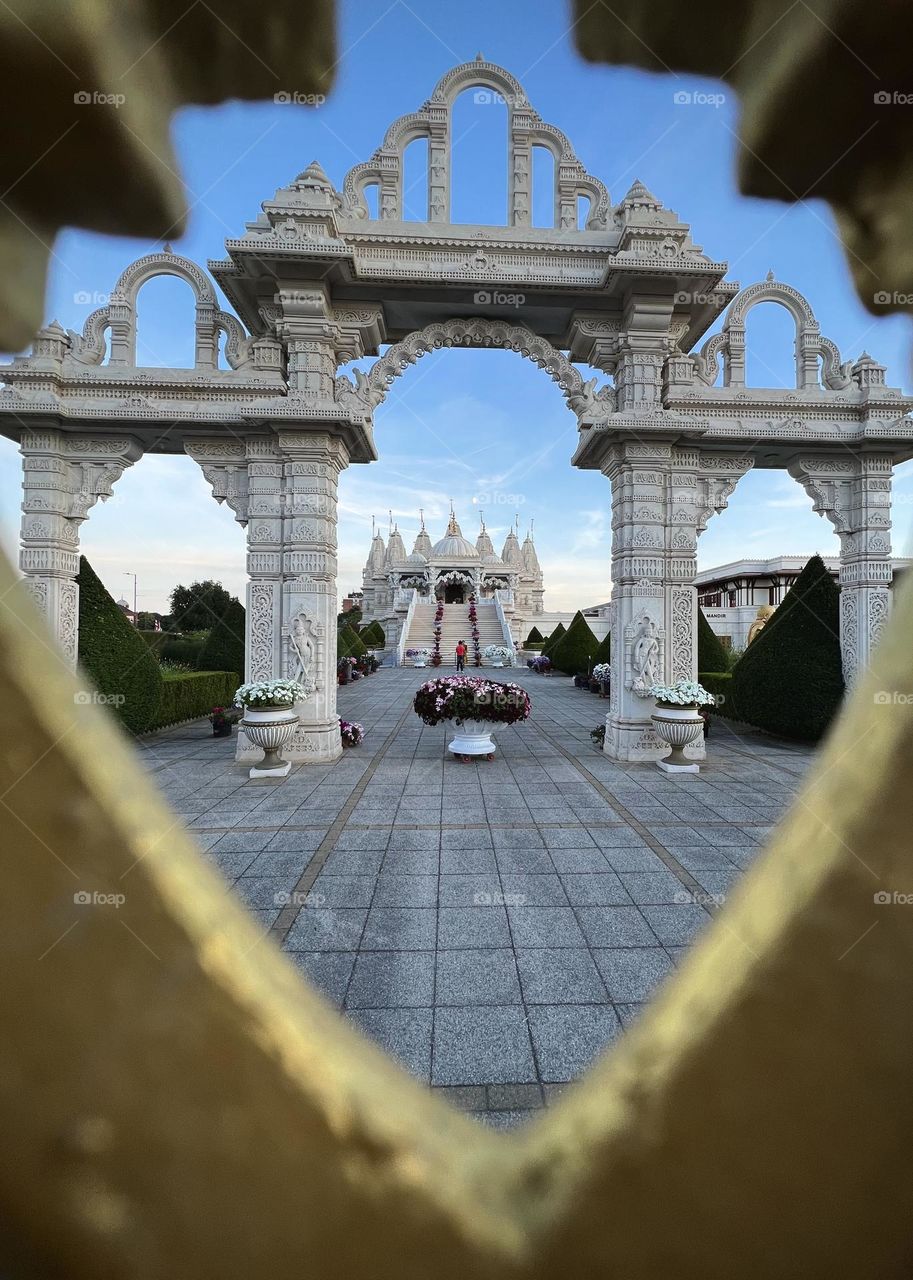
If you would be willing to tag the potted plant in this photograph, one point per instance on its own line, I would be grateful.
(270, 720)
(541, 665)
(419, 656)
(602, 674)
(352, 734)
(498, 655)
(474, 704)
(598, 736)
(677, 720)
(222, 721)
(344, 670)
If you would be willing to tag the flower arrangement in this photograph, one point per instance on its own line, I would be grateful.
(418, 653)
(462, 698)
(542, 665)
(684, 693)
(498, 653)
(474, 631)
(438, 620)
(602, 672)
(270, 693)
(222, 720)
(352, 734)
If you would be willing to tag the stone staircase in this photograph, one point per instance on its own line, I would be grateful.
(455, 626)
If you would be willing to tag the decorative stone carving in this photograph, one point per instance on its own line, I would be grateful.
(645, 659)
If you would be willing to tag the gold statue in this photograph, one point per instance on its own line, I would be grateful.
(765, 613)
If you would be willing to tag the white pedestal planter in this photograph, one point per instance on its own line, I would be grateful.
(472, 738)
(272, 729)
(497, 664)
(419, 662)
(679, 726)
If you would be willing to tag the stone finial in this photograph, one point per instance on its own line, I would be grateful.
(639, 197)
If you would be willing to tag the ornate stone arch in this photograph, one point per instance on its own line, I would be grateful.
(583, 397)
(817, 359)
(433, 121)
(121, 310)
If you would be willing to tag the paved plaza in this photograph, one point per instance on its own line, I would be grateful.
(494, 925)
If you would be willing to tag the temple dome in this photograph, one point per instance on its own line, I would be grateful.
(453, 544)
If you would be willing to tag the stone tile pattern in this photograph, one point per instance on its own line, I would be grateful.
(493, 925)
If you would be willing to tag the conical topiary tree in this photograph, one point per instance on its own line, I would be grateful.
(224, 647)
(534, 637)
(711, 655)
(373, 635)
(116, 656)
(559, 632)
(604, 652)
(355, 646)
(573, 654)
(789, 680)
(342, 642)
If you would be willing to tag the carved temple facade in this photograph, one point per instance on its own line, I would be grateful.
(316, 283)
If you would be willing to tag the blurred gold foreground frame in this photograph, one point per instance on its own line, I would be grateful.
(175, 1101)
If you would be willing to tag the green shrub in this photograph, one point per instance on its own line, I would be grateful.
(711, 653)
(342, 643)
(373, 636)
(154, 639)
(604, 652)
(789, 681)
(183, 649)
(188, 695)
(224, 647)
(355, 646)
(117, 658)
(534, 637)
(574, 651)
(719, 683)
(559, 632)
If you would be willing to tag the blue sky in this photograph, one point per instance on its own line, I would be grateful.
(468, 425)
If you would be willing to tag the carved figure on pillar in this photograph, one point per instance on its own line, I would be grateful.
(645, 657)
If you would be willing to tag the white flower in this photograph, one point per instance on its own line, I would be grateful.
(684, 693)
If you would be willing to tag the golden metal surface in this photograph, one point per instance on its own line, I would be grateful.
(176, 1102)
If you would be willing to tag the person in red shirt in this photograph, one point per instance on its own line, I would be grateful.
(461, 656)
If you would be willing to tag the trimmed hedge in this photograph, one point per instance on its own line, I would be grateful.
(187, 695)
(184, 649)
(719, 683)
(224, 647)
(116, 656)
(534, 637)
(574, 651)
(373, 636)
(559, 632)
(604, 652)
(789, 680)
(711, 656)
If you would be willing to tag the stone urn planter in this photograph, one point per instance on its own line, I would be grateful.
(473, 738)
(679, 726)
(271, 728)
(475, 705)
(270, 720)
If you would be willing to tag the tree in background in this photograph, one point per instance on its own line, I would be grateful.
(574, 652)
(198, 607)
(350, 619)
(224, 646)
(789, 680)
(711, 653)
(116, 656)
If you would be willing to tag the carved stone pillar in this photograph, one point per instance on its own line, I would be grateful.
(312, 462)
(662, 497)
(63, 476)
(855, 495)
